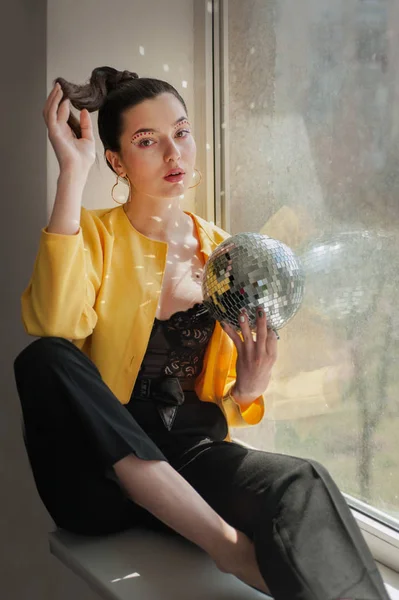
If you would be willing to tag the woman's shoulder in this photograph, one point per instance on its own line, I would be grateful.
(98, 229)
(102, 220)
(216, 233)
(101, 214)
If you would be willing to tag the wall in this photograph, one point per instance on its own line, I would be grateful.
(124, 35)
(69, 40)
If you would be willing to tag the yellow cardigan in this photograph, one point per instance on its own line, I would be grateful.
(100, 288)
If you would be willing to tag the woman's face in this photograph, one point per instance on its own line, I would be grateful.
(157, 141)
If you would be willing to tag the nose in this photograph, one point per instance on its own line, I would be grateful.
(172, 151)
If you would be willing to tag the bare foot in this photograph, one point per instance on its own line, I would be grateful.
(238, 558)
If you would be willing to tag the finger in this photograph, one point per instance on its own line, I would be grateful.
(271, 343)
(64, 110)
(56, 90)
(232, 333)
(261, 332)
(245, 328)
(52, 112)
(52, 93)
(86, 125)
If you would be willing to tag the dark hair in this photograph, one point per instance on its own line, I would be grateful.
(111, 92)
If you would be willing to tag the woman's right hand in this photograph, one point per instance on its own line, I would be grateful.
(71, 152)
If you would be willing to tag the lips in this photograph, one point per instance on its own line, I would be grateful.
(175, 176)
(174, 172)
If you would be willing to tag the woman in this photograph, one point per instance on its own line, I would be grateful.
(128, 393)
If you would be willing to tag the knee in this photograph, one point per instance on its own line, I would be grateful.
(312, 471)
(40, 352)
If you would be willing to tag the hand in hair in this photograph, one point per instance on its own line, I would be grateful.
(72, 152)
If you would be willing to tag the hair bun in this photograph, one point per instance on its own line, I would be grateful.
(119, 77)
(127, 75)
(107, 79)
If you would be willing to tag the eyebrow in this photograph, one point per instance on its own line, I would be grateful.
(157, 130)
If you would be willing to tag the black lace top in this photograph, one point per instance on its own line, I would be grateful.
(177, 345)
(176, 420)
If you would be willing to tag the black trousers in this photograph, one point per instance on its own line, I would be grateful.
(307, 542)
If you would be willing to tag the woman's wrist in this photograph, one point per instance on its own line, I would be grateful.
(240, 397)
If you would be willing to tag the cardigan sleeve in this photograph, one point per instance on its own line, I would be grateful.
(237, 417)
(59, 299)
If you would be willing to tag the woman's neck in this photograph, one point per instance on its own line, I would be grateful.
(160, 220)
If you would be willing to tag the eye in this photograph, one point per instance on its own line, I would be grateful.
(145, 143)
(185, 132)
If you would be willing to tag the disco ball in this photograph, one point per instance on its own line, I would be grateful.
(251, 270)
(346, 270)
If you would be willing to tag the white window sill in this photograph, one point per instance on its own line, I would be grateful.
(382, 540)
(391, 580)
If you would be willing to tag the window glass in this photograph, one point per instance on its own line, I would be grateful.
(313, 150)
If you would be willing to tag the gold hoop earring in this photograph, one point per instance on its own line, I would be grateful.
(200, 176)
(126, 178)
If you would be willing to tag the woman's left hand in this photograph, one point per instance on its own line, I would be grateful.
(255, 358)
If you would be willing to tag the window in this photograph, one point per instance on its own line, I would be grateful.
(308, 128)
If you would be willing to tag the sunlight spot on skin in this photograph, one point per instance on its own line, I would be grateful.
(173, 242)
(181, 197)
(159, 219)
(176, 224)
(176, 255)
(186, 246)
(169, 262)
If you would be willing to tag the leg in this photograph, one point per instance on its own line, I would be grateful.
(75, 430)
(78, 433)
(307, 542)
